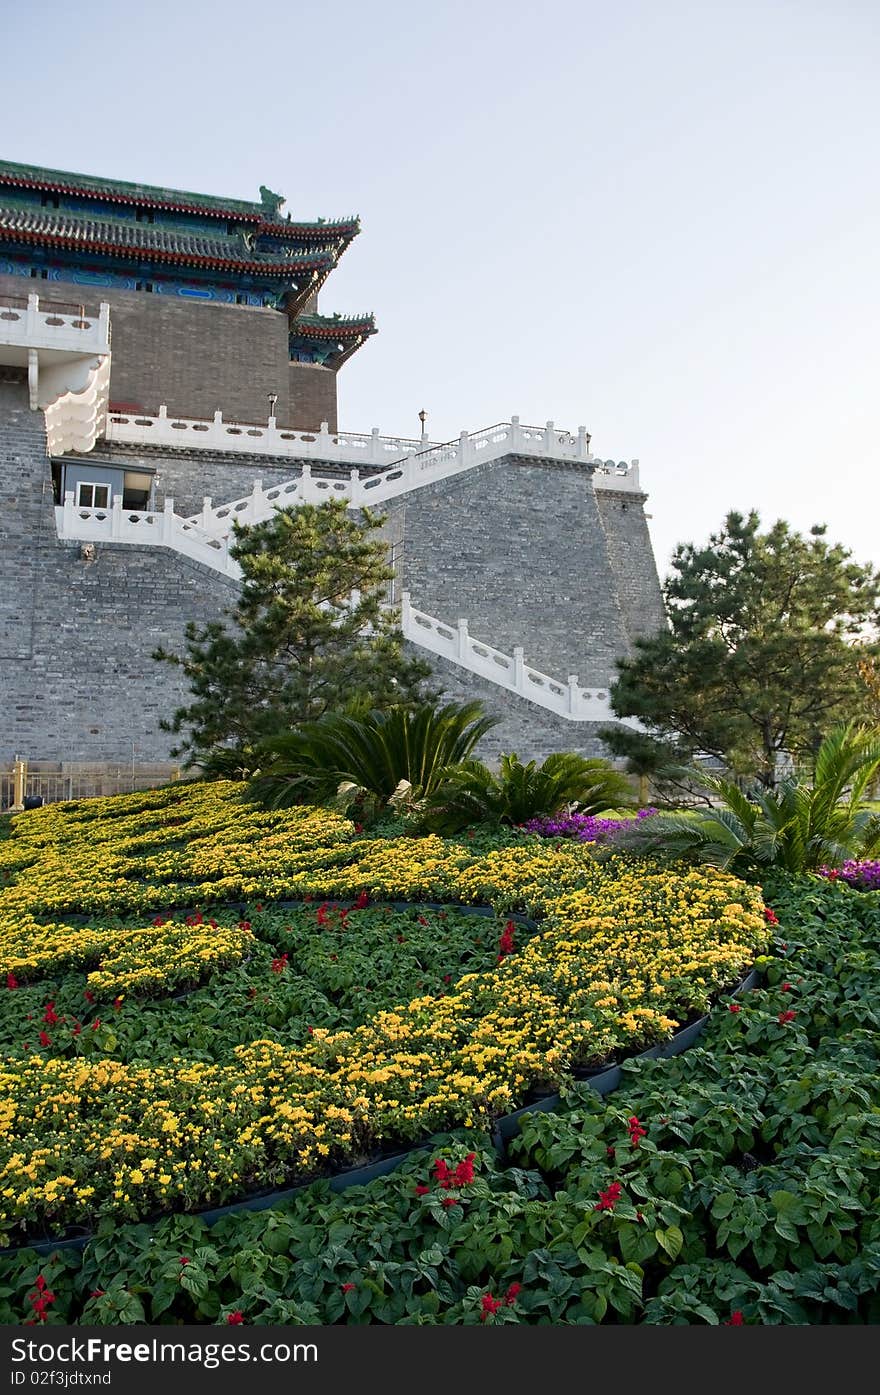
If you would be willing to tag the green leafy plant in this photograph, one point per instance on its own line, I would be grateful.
(370, 755)
(797, 826)
(473, 794)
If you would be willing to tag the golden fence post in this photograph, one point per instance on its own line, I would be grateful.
(19, 775)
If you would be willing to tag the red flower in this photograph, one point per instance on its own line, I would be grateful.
(40, 1299)
(96, 1024)
(77, 1028)
(160, 920)
(279, 965)
(610, 1151)
(608, 1199)
(362, 902)
(505, 944)
(259, 905)
(464, 1173)
(184, 1260)
(358, 828)
(195, 919)
(450, 1200)
(422, 920)
(97, 1293)
(89, 996)
(347, 1288)
(635, 1131)
(244, 925)
(489, 1306)
(213, 924)
(510, 1296)
(422, 1190)
(235, 1319)
(322, 914)
(770, 916)
(786, 988)
(734, 1007)
(787, 1017)
(735, 1319)
(117, 1003)
(11, 981)
(45, 1039)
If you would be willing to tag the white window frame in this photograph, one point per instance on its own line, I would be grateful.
(93, 485)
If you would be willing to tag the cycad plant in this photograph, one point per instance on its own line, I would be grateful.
(797, 826)
(472, 793)
(366, 759)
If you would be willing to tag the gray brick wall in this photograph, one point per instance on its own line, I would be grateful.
(631, 558)
(78, 682)
(517, 548)
(312, 396)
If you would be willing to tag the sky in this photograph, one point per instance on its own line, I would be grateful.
(658, 220)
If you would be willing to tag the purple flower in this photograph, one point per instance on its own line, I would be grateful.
(581, 828)
(864, 876)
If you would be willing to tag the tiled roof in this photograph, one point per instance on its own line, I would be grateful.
(325, 229)
(334, 326)
(151, 243)
(121, 191)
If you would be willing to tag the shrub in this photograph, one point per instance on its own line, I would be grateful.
(473, 794)
(371, 755)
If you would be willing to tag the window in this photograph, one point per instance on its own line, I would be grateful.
(143, 286)
(49, 200)
(93, 496)
(144, 215)
(39, 273)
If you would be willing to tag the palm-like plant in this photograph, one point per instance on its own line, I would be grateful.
(371, 756)
(472, 793)
(797, 826)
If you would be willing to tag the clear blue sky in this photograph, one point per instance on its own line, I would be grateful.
(659, 220)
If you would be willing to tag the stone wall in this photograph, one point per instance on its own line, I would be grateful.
(312, 396)
(78, 681)
(517, 548)
(631, 558)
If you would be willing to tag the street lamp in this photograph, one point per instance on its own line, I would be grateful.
(273, 398)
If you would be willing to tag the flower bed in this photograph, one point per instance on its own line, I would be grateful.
(621, 956)
(864, 875)
(734, 1186)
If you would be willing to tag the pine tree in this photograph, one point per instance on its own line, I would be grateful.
(308, 634)
(761, 654)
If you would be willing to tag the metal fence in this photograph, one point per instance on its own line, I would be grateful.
(39, 781)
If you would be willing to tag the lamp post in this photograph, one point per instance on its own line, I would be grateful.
(273, 398)
(423, 417)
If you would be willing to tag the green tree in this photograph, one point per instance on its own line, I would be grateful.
(760, 656)
(308, 634)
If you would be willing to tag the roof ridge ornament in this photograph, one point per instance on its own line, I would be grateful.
(271, 202)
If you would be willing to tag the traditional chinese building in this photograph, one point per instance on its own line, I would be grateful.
(164, 369)
(214, 301)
